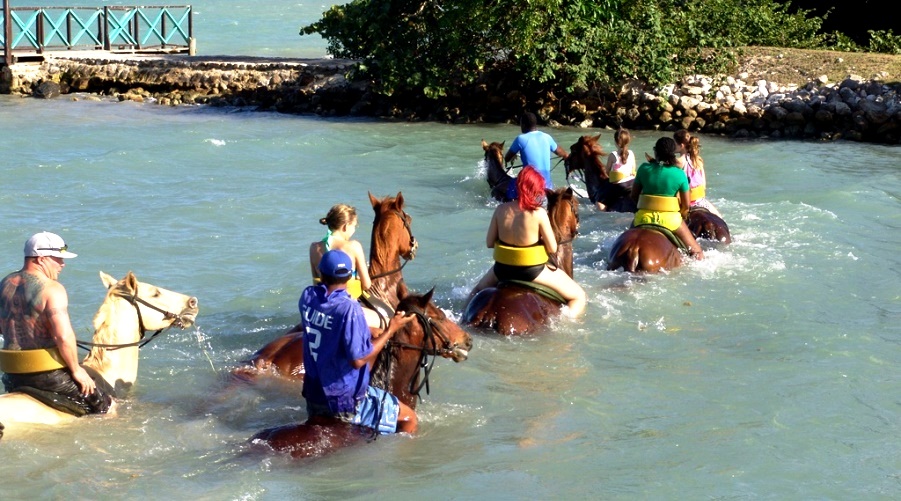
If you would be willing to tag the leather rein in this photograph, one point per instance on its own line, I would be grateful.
(134, 300)
(428, 347)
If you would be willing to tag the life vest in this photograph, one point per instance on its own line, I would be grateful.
(532, 255)
(354, 286)
(658, 203)
(28, 361)
(697, 193)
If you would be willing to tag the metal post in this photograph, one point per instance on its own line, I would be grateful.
(105, 28)
(7, 34)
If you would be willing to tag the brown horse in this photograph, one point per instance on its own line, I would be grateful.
(704, 224)
(587, 157)
(643, 249)
(392, 246)
(402, 368)
(514, 308)
(498, 179)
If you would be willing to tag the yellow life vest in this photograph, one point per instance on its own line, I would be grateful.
(28, 361)
(520, 256)
(617, 176)
(697, 193)
(354, 286)
(658, 203)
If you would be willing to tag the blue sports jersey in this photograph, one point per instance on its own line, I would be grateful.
(535, 149)
(335, 334)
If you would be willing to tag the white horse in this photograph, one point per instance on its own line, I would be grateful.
(130, 309)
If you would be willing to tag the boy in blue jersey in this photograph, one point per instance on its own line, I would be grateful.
(535, 148)
(339, 351)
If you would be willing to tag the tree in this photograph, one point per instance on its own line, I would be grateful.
(436, 47)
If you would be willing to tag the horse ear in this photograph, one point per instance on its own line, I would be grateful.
(131, 282)
(107, 279)
(502, 144)
(427, 297)
(598, 137)
(374, 201)
(399, 201)
(484, 145)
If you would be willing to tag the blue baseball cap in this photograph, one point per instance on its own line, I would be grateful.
(336, 263)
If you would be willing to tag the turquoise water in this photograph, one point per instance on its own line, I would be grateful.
(769, 370)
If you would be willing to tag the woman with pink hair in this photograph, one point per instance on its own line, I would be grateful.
(521, 234)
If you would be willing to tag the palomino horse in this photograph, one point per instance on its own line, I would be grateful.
(402, 368)
(587, 157)
(704, 224)
(392, 246)
(498, 179)
(128, 312)
(519, 308)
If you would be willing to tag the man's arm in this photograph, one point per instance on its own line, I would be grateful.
(57, 311)
(398, 321)
(560, 152)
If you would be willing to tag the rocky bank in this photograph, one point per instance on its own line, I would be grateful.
(855, 109)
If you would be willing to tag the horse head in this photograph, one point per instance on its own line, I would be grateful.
(563, 211)
(498, 179)
(130, 309)
(586, 153)
(415, 347)
(392, 241)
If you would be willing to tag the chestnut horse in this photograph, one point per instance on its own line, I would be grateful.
(498, 179)
(587, 157)
(644, 249)
(402, 368)
(392, 246)
(519, 308)
(704, 224)
(650, 249)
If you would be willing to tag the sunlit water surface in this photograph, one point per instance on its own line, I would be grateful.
(769, 370)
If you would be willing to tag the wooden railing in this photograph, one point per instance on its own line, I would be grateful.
(35, 30)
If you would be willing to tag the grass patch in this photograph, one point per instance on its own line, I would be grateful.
(800, 66)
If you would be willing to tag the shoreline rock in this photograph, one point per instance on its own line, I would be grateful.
(855, 109)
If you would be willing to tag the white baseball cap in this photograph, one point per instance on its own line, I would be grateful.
(47, 244)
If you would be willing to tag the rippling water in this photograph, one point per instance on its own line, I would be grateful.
(769, 370)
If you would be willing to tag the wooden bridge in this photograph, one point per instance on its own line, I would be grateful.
(28, 33)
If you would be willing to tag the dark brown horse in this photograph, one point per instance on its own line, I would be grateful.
(392, 246)
(498, 179)
(514, 308)
(588, 160)
(704, 224)
(402, 368)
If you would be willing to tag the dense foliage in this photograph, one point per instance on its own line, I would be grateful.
(436, 46)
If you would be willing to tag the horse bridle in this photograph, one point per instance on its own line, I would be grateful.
(429, 347)
(403, 217)
(134, 300)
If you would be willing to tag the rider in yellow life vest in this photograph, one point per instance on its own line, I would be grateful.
(520, 234)
(341, 221)
(661, 191)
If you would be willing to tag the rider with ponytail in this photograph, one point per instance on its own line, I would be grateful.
(620, 169)
(522, 238)
(342, 222)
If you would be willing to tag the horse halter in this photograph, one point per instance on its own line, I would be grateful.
(413, 245)
(134, 300)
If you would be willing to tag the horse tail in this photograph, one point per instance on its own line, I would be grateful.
(631, 264)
